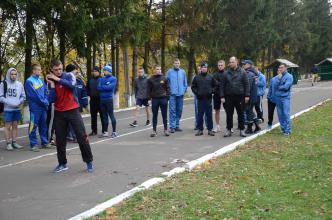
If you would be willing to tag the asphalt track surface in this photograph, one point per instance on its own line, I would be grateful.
(30, 191)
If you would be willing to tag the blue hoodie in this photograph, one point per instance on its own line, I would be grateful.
(15, 94)
(272, 88)
(284, 85)
(177, 81)
(252, 76)
(106, 87)
(81, 91)
(261, 84)
(36, 92)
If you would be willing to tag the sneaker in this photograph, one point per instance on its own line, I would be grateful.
(34, 148)
(89, 167)
(147, 123)
(286, 134)
(104, 134)
(9, 147)
(257, 129)
(242, 133)
(93, 133)
(172, 130)
(249, 131)
(53, 142)
(232, 131)
(217, 129)
(47, 146)
(60, 168)
(228, 133)
(178, 129)
(269, 127)
(154, 134)
(114, 135)
(199, 133)
(210, 133)
(166, 133)
(134, 124)
(16, 145)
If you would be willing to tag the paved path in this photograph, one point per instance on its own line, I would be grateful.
(30, 191)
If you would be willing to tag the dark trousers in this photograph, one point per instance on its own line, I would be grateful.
(271, 107)
(250, 116)
(62, 121)
(107, 110)
(94, 110)
(236, 102)
(50, 122)
(204, 111)
(157, 103)
(259, 107)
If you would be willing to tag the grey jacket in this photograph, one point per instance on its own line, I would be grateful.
(141, 87)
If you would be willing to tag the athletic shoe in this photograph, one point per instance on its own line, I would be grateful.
(166, 133)
(232, 131)
(147, 123)
(93, 133)
(154, 134)
(89, 167)
(114, 135)
(217, 129)
(269, 127)
(16, 145)
(47, 146)
(178, 129)
(34, 149)
(60, 168)
(287, 134)
(134, 124)
(199, 133)
(104, 134)
(242, 133)
(228, 133)
(172, 130)
(53, 142)
(257, 129)
(9, 147)
(249, 131)
(210, 133)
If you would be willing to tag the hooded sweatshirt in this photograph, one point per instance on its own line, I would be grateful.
(15, 93)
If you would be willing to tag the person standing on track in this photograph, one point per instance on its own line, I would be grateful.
(62, 93)
(216, 96)
(36, 93)
(177, 80)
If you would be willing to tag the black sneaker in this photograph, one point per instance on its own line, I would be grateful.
(93, 133)
(249, 131)
(147, 123)
(257, 129)
(178, 129)
(134, 124)
(199, 133)
(210, 133)
(172, 130)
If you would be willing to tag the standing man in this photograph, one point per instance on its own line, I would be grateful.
(283, 95)
(158, 91)
(216, 96)
(203, 86)
(36, 93)
(12, 95)
(66, 106)
(271, 101)
(234, 92)
(141, 95)
(261, 86)
(106, 87)
(94, 101)
(178, 86)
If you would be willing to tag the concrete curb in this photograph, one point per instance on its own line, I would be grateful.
(188, 167)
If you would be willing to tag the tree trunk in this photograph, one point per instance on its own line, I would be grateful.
(94, 50)
(113, 52)
(163, 36)
(28, 41)
(126, 74)
(105, 54)
(117, 64)
(134, 66)
(147, 43)
(88, 58)
(62, 39)
(191, 64)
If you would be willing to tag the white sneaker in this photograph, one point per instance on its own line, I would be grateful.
(16, 145)
(9, 147)
(105, 134)
(217, 129)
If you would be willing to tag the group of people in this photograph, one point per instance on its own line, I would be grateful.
(56, 105)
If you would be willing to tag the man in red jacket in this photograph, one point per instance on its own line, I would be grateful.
(62, 93)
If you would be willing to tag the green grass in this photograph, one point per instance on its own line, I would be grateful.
(272, 177)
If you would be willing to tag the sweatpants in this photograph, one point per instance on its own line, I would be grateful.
(283, 110)
(38, 120)
(259, 107)
(236, 102)
(271, 107)
(157, 103)
(62, 120)
(94, 110)
(107, 110)
(175, 111)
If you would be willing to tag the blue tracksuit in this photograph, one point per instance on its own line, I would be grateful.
(261, 84)
(177, 81)
(36, 92)
(282, 93)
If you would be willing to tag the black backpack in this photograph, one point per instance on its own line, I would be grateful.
(4, 95)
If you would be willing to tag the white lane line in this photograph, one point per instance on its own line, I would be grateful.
(74, 148)
(178, 170)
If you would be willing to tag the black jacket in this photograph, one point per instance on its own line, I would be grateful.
(158, 87)
(218, 77)
(235, 82)
(92, 87)
(141, 87)
(203, 86)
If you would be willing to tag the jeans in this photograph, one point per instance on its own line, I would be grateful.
(175, 111)
(107, 110)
